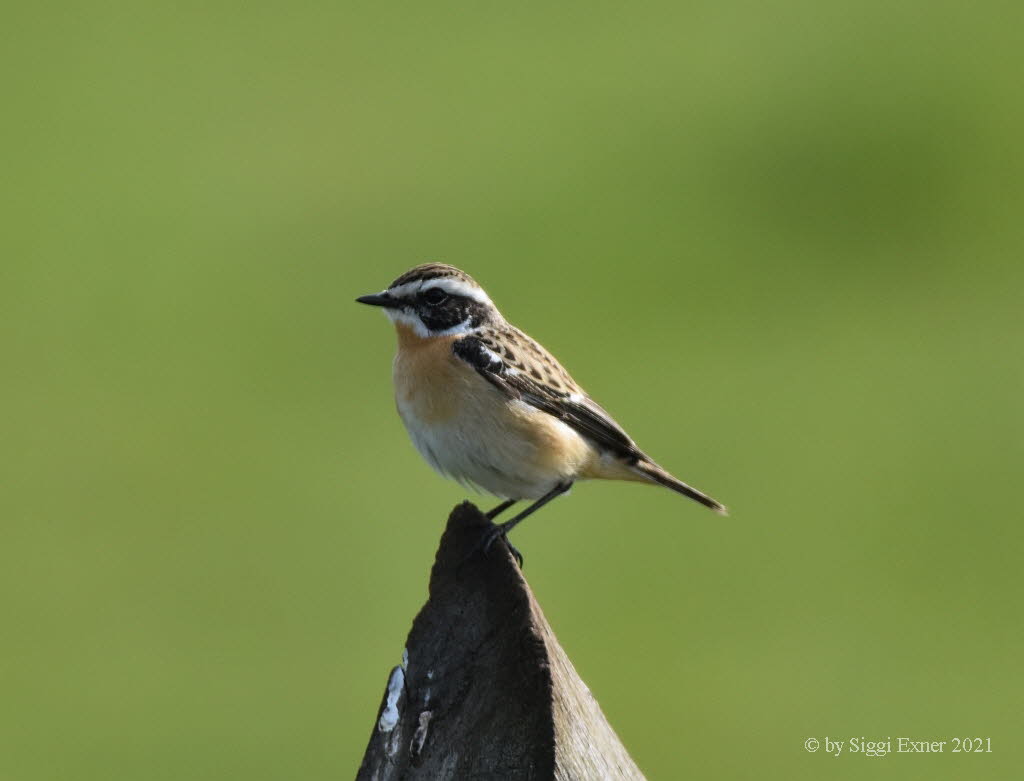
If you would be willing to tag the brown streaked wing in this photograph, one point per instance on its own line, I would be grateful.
(525, 376)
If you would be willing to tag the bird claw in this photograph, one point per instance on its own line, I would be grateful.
(499, 532)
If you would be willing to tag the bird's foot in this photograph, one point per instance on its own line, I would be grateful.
(487, 539)
(500, 532)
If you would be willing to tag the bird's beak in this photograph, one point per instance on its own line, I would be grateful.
(378, 299)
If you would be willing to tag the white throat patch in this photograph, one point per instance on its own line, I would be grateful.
(413, 321)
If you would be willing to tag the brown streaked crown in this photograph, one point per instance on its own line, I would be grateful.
(433, 271)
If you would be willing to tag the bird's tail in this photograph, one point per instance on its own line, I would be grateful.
(656, 474)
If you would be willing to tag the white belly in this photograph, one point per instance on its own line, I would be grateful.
(496, 448)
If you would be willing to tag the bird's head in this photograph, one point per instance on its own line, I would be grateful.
(435, 300)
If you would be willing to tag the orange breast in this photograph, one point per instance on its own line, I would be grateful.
(427, 376)
(467, 428)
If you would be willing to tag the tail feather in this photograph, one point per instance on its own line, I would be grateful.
(656, 474)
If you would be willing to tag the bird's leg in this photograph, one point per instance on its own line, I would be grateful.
(502, 529)
(558, 490)
(500, 509)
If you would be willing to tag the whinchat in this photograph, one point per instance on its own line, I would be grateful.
(487, 405)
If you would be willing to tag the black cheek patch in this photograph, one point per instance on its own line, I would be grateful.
(452, 312)
(444, 316)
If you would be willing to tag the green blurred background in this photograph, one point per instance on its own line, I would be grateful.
(780, 242)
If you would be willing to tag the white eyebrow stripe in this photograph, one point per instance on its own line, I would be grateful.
(455, 287)
(458, 288)
(409, 288)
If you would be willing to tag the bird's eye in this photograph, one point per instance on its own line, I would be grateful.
(434, 296)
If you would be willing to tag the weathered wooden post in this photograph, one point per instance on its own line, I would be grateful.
(484, 690)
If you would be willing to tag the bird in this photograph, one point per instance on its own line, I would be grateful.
(487, 405)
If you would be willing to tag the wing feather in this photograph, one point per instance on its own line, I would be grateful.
(523, 378)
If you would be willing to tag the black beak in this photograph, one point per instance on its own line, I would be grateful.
(377, 299)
